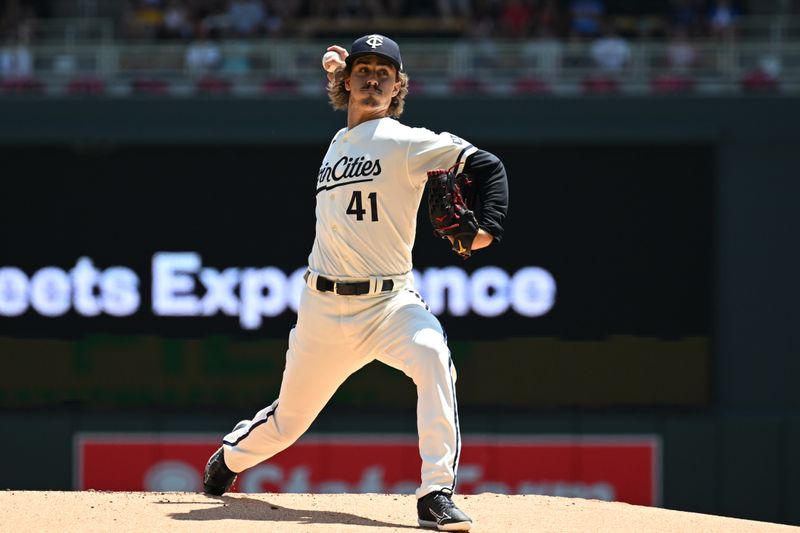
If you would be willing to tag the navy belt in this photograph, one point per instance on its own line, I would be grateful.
(354, 288)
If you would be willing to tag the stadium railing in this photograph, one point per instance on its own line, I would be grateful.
(435, 67)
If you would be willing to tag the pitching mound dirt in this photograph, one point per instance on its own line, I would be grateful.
(174, 511)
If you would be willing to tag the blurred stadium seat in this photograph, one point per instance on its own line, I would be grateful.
(671, 84)
(150, 86)
(279, 86)
(21, 86)
(531, 86)
(416, 86)
(214, 85)
(466, 85)
(84, 86)
(599, 85)
(759, 81)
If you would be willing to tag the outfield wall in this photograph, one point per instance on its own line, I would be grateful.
(712, 373)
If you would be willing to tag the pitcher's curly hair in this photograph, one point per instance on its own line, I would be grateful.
(339, 96)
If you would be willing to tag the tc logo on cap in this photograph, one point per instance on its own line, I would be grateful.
(380, 45)
(375, 41)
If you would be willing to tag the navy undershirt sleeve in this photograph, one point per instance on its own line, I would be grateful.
(491, 183)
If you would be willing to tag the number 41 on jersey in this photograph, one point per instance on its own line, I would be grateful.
(356, 206)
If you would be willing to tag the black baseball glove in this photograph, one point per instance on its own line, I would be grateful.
(449, 210)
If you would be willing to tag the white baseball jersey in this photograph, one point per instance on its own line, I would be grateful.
(369, 189)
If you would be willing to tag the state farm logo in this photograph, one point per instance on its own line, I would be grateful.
(298, 479)
(270, 477)
(172, 476)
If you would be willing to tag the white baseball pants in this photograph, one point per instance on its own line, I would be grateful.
(335, 336)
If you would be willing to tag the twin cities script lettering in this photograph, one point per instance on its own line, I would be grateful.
(347, 168)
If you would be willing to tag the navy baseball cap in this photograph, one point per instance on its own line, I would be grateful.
(379, 45)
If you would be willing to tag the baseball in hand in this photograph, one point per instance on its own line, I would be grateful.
(331, 61)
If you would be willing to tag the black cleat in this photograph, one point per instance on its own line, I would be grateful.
(437, 510)
(218, 478)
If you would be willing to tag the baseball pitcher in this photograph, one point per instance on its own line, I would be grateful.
(359, 302)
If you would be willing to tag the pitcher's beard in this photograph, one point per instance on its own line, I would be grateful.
(370, 101)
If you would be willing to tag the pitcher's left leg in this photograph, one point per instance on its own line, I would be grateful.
(415, 344)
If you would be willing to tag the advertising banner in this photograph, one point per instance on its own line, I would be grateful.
(214, 241)
(183, 265)
(613, 468)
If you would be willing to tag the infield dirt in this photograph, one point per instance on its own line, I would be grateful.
(119, 512)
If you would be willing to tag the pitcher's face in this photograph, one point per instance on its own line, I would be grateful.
(372, 83)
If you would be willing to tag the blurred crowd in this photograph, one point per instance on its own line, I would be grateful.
(520, 19)
(609, 27)
(515, 19)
